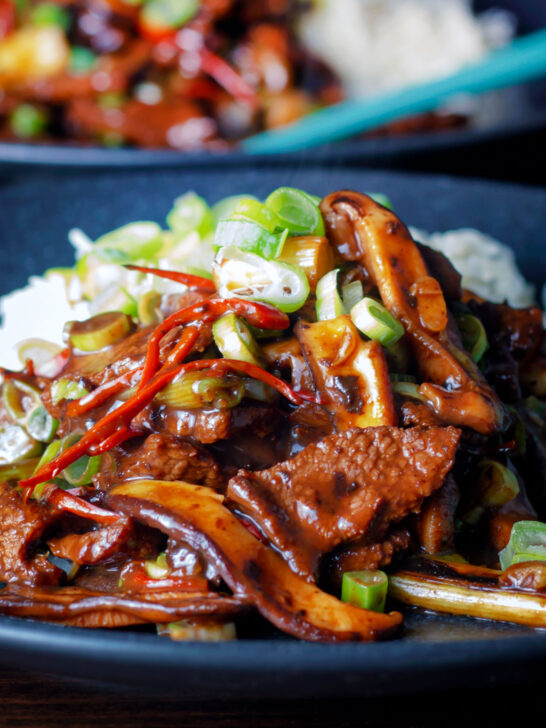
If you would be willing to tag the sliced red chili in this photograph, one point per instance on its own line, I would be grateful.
(228, 77)
(115, 439)
(135, 578)
(101, 394)
(102, 429)
(261, 315)
(66, 501)
(195, 283)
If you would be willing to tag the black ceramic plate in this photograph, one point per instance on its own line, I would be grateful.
(433, 651)
(513, 112)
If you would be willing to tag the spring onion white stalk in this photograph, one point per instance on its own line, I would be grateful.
(329, 303)
(232, 336)
(374, 320)
(246, 275)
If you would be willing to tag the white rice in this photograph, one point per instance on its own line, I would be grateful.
(379, 45)
(488, 268)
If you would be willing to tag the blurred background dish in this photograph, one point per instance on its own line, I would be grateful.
(126, 75)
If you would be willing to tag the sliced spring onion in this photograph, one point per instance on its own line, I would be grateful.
(41, 425)
(264, 333)
(67, 389)
(51, 451)
(69, 567)
(82, 470)
(527, 543)
(246, 275)
(82, 60)
(496, 485)
(99, 331)
(191, 213)
(168, 13)
(49, 13)
(232, 336)
(157, 568)
(374, 320)
(408, 389)
(137, 240)
(18, 471)
(198, 390)
(27, 121)
(148, 310)
(16, 444)
(225, 207)
(19, 399)
(260, 391)
(329, 303)
(250, 237)
(473, 335)
(254, 211)
(40, 351)
(366, 589)
(351, 294)
(312, 253)
(395, 377)
(298, 211)
(207, 631)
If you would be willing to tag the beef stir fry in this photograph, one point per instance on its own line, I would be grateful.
(185, 74)
(326, 413)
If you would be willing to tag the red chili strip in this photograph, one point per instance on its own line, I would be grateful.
(7, 17)
(183, 347)
(256, 372)
(121, 416)
(66, 501)
(152, 361)
(115, 439)
(195, 283)
(102, 429)
(134, 577)
(99, 396)
(227, 77)
(257, 314)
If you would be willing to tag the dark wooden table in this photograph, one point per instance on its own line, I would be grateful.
(38, 701)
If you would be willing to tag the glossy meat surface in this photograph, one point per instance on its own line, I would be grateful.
(251, 569)
(347, 486)
(165, 457)
(21, 526)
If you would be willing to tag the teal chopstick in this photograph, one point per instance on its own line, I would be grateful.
(523, 60)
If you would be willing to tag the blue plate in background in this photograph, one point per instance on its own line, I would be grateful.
(513, 112)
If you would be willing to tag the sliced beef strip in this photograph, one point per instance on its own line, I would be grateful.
(197, 516)
(94, 546)
(208, 425)
(350, 485)
(162, 456)
(362, 555)
(21, 526)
